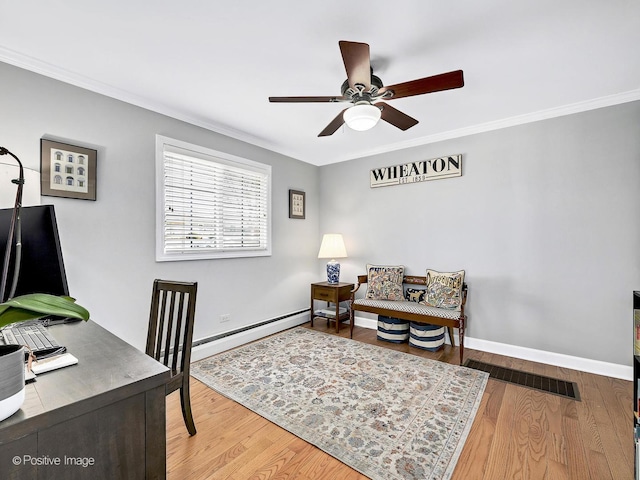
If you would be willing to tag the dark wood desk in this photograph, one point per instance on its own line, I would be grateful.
(104, 418)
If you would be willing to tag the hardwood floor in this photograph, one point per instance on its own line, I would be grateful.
(518, 433)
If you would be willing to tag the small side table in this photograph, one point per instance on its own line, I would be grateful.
(331, 293)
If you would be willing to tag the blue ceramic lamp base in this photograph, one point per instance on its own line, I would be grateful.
(333, 272)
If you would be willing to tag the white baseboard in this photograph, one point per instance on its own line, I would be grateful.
(598, 367)
(366, 322)
(624, 372)
(226, 343)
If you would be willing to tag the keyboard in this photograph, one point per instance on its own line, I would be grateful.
(35, 336)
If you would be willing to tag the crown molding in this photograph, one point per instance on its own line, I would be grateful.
(52, 71)
(570, 109)
(49, 70)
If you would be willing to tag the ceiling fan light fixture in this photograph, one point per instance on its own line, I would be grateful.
(362, 117)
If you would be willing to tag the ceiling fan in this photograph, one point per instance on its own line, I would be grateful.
(363, 89)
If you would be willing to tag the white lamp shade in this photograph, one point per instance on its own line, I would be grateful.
(362, 117)
(332, 246)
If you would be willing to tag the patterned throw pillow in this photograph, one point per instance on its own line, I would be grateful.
(415, 295)
(444, 289)
(384, 282)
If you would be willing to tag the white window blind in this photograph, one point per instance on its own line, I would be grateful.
(210, 204)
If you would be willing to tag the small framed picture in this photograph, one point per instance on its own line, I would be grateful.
(67, 170)
(296, 204)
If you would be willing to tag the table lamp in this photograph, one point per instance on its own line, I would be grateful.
(332, 247)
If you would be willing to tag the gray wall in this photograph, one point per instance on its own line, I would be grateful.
(108, 245)
(545, 221)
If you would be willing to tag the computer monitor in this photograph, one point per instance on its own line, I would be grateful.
(41, 267)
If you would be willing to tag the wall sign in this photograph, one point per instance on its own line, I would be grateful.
(421, 171)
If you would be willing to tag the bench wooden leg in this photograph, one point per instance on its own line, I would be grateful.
(461, 335)
(351, 316)
(453, 342)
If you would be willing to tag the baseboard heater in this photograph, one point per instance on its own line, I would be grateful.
(220, 336)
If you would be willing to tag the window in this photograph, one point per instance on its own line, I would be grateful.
(210, 204)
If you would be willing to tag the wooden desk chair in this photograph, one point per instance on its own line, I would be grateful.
(170, 335)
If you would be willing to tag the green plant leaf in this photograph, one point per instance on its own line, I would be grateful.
(36, 305)
(14, 315)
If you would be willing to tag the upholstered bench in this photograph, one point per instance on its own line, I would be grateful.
(398, 307)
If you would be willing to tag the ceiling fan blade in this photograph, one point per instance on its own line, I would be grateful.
(437, 83)
(357, 63)
(304, 99)
(396, 117)
(335, 124)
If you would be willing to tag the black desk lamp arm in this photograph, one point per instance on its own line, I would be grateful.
(15, 226)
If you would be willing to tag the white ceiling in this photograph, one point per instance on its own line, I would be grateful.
(215, 64)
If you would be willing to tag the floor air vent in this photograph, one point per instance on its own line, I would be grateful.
(531, 380)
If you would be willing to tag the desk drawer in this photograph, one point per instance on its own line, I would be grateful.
(324, 293)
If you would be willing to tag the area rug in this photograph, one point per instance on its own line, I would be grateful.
(387, 414)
